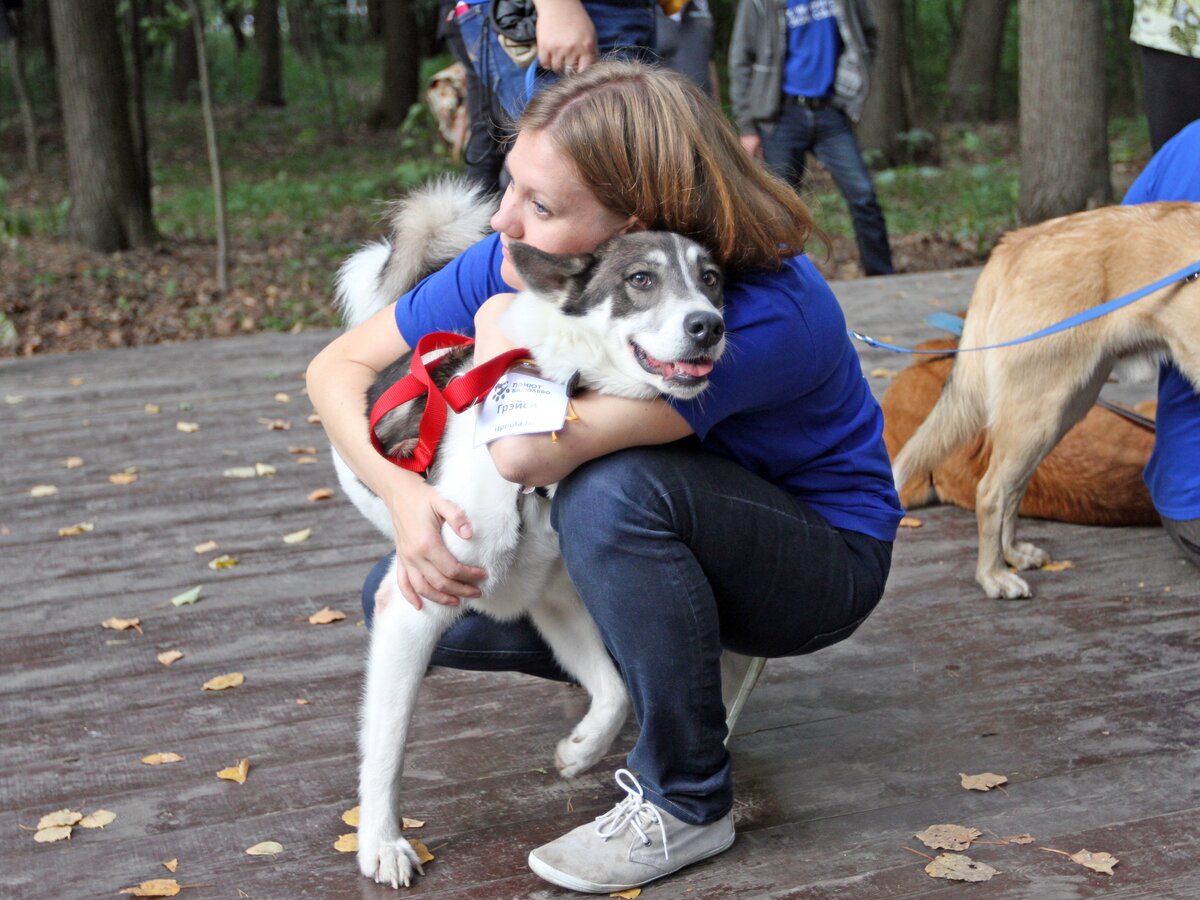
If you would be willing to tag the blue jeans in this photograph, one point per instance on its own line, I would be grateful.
(829, 136)
(678, 553)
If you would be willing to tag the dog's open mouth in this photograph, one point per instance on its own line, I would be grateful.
(679, 371)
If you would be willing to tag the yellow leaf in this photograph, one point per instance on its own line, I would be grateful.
(187, 427)
(321, 494)
(1097, 862)
(43, 490)
(302, 451)
(883, 373)
(411, 823)
(326, 616)
(152, 409)
(123, 624)
(155, 887)
(78, 528)
(236, 773)
(264, 469)
(171, 865)
(159, 759)
(206, 547)
(123, 477)
(222, 682)
(423, 854)
(61, 817)
(73, 462)
(910, 522)
(350, 816)
(240, 472)
(313, 419)
(98, 819)
(52, 834)
(947, 837)
(347, 843)
(982, 782)
(276, 424)
(306, 460)
(631, 894)
(1060, 565)
(281, 397)
(300, 701)
(265, 848)
(224, 561)
(957, 867)
(77, 380)
(169, 656)
(297, 537)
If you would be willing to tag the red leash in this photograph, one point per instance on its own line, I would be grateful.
(461, 392)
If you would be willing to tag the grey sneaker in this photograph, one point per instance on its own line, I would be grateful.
(630, 845)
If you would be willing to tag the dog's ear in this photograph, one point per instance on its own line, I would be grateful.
(558, 275)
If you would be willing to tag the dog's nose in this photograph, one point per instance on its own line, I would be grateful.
(705, 328)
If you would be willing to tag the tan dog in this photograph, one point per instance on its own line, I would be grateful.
(1028, 396)
(1093, 476)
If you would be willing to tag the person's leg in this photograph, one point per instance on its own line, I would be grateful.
(483, 153)
(837, 148)
(1171, 84)
(787, 144)
(1186, 535)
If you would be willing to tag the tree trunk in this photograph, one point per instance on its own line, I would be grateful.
(16, 62)
(1063, 119)
(270, 53)
(375, 18)
(110, 210)
(971, 80)
(233, 16)
(302, 28)
(214, 157)
(137, 91)
(401, 64)
(886, 113)
(185, 70)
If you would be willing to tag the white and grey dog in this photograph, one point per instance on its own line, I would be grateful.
(640, 317)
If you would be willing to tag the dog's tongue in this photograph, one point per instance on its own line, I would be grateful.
(668, 370)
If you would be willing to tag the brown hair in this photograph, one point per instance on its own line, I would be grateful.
(650, 144)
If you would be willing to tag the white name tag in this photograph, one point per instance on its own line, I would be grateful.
(521, 404)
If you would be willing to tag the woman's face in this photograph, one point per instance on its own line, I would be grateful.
(546, 206)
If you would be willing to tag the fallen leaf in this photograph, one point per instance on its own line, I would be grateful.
(910, 522)
(78, 528)
(1058, 566)
(411, 823)
(350, 816)
(957, 867)
(948, 837)
(169, 656)
(187, 427)
(224, 561)
(281, 397)
(159, 759)
(123, 624)
(171, 865)
(297, 537)
(73, 462)
(152, 409)
(631, 894)
(43, 490)
(264, 469)
(1026, 838)
(206, 547)
(985, 781)
(423, 854)
(347, 843)
(313, 419)
(326, 616)
(123, 477)
(61, 817)
(14, 399)
(76, 380)
(98, 819)
(276, 424)
(155, 887)
(306, 460)
(223, 682)
(52, 834)
(236, 773)
(300, 701)
(302, 451)
(187, 598)
(265, 848)
(1097, 862)
(321, 494)
(881, 372)
(240, 472)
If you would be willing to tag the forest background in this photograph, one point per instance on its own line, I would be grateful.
(985, 114)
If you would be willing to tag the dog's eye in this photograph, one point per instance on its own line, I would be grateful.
(710, 277)
(640, 280)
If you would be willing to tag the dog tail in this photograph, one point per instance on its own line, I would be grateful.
(430, 227)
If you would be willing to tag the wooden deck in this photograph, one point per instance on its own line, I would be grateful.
(1087, 698)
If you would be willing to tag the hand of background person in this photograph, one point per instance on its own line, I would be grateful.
(752, 144)
(566, 37)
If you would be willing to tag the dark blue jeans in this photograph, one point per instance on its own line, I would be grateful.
(678, 553)
(829, 136)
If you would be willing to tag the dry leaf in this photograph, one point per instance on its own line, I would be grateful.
(224, 561)
(281, 397)
(302, 451)
(297, 537)
(276, 424)
(306, 460)
(76, 380)
(152, 409)
(350, 816)
(347, 843)
(171, 865)
(155, 887)
(98, 819)
(73, 462)
(300, 701)
(187, 427)
(326, 616)
(411, 823)
(61, 817)
(14, 399)
(241, 472)
(52, 834)
(1026, 838)
(321, 494)
(1060, 565)
(77, 528)
(313, 419)
(264, 469)
(948, 837)
(43, 490)
(957, 867)
(265, 848)
(423, 854)
(910, 522)
(881, 372)
(985, 781)
(123, 477)
(1097, 862)
(631, 894)
(169, 656)
(187, 598)
(123, 624)
(206, 547)
(222, 682)
(159, 759)
(236, 773)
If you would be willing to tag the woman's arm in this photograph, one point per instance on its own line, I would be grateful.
(605, 423)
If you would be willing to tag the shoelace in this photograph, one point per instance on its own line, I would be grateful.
(634, 811)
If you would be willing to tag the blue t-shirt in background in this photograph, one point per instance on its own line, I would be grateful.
(787, 401)
(1173, 473)
(813, 45)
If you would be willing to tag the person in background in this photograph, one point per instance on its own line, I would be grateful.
(686, 42)
(1168, 32)
(799, 72)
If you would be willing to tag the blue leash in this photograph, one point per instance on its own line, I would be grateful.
(1186, 273)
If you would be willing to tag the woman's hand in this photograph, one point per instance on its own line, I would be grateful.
(566, 37)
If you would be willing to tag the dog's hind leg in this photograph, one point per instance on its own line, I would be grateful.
(575, 640)
(402, 642)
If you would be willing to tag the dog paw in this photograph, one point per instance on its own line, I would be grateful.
(1004, 585)
(577, 753)
(388, 862)
(1023, 555)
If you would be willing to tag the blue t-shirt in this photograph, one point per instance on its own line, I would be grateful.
(788, 401)
(813, 45)
(1173, 473)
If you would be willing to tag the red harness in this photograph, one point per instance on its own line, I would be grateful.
(460, 393)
